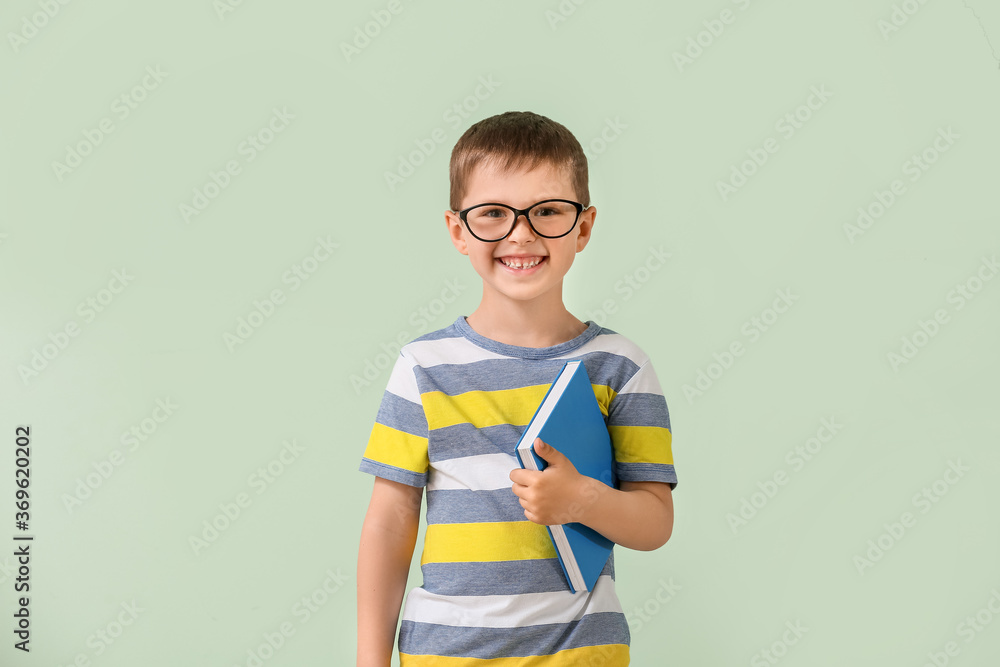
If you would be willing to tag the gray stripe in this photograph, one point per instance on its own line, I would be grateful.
(468, 506)
(613, 370)
(392, 472)
(509, 577)
(456, 641)
(646, 472)
(458, 440)
(604, 368)
(486, 375)
(639, 410)
(401, 414)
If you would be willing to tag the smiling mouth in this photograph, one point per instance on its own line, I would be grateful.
(521, 262)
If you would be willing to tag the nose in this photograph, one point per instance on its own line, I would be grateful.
(522, 230)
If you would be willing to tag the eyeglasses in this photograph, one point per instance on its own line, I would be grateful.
(551, 219)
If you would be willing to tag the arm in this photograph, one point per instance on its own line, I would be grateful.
(639, 516)
(388, 536)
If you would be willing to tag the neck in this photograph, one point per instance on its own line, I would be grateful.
(541, 322)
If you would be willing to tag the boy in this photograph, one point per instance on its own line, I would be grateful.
(455, 406)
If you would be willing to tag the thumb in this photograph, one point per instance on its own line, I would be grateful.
(547, 451)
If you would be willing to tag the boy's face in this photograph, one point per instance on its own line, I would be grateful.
(521, 189)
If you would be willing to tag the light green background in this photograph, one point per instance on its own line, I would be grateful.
(654, 185)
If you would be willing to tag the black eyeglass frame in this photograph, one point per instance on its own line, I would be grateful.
(518, 212)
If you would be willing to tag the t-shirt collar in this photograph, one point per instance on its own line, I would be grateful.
(520, 352)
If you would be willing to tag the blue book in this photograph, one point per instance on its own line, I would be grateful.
(570, 420)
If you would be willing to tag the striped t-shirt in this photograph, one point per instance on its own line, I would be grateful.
(454, 408)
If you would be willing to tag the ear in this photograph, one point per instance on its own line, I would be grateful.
(456, 230)
(586, 224)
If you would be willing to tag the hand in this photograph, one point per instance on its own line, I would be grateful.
(559, 494)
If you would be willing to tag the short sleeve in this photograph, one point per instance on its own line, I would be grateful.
(397, 447)
(639, 425)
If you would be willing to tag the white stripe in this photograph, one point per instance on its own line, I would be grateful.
(510, 611)
(483, 472)
(643, 382)
(614, 344)
(461, 350)
(402, 382)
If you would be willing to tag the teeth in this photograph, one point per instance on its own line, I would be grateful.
(517, 263)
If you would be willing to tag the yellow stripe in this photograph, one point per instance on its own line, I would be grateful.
(483, 408)
(606, 655)
(481, 542)
(397, 448)
(645, 444)
(605, 395)
(490, 408)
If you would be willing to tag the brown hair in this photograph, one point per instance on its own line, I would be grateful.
(515, 140)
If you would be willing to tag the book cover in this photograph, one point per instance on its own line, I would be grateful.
(570, 420)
